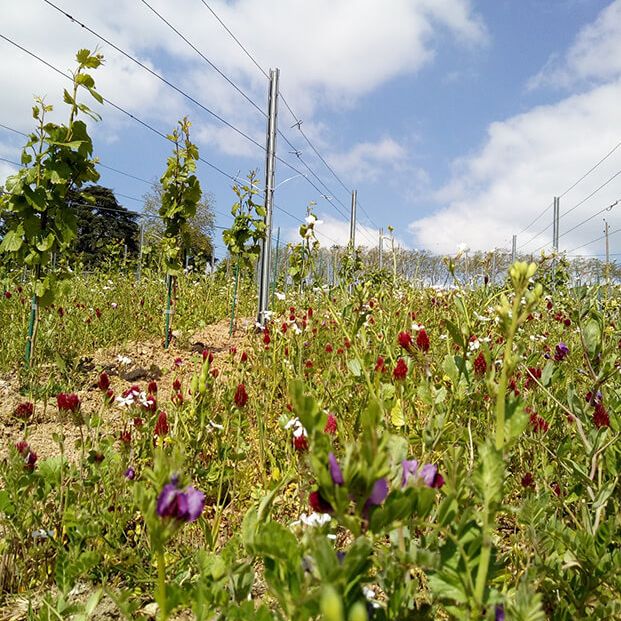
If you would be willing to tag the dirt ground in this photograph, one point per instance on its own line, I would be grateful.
(129, 364)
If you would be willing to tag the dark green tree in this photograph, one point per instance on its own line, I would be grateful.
(102, 222)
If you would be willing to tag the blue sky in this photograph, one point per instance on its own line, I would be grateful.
(456, 121)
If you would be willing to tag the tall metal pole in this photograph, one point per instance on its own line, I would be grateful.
(270, 161)
(381, 249)
(514, 249)
(555, 226)
(275, 276)
(352, 222)
(607, 255)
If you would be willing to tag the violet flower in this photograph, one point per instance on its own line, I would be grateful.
(185, 506)
(335, 470)
(427, 473)
(378, 493)
(561, 352)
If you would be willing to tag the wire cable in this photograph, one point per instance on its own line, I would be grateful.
(572, 186)
(209, 62)
(298, 122)
(158, 76)
(116, 106)
(573, 228)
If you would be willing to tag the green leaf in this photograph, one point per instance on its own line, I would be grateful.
(13, 240)
(546, 375)
(592, 337)
(353, 364)
(396, 414)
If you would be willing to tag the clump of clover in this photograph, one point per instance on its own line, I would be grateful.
(181, 192)
(244, 239)
(56, 161)
(303, 254)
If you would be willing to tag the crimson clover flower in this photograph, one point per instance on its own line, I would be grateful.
(600, 416)
(318, 503)
(152, 387)
(176, 385)
(241, 396)
(422, 340)
(335, 470)
(103, 383)
(330, 427)
(207, 356)
(401, 370)
(480, 365)
(68, 402)
(161, 426)
(427, 473)
(405, 340)
(538, 422)
(380, 365)
(561, 352)
(182, 505)
(24, 410)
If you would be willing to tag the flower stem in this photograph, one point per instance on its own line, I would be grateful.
(161, 587)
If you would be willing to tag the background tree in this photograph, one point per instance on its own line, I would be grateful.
(197, 232)
(102, 222)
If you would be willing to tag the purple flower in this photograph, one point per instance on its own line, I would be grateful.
(561, 352)
(378, 493)
(428, 474)
(500, 613)
(335, 470)
(410, 469)
(130, 474)
(185, 506)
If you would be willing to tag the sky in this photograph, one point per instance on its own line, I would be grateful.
(456, 121)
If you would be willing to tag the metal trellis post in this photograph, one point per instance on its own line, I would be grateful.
(270, 157)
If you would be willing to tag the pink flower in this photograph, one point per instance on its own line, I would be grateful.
(330, 427)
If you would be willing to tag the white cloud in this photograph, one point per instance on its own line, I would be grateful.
(524, 162)
(595, 55)
(368, 160)
(330, 53)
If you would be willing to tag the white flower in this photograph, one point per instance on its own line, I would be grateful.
(474, 345)
(315, 519)
(114, 305)
(417, 327)
(298, 427)
(123, 359)
(462, 248)
(126, 402)
(310, 219)
(279, 295)
(481, 317)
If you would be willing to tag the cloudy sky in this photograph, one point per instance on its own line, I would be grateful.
(457, 121)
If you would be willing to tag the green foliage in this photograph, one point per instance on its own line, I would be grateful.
(57, 160)
(243, 239)
(181, 193)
